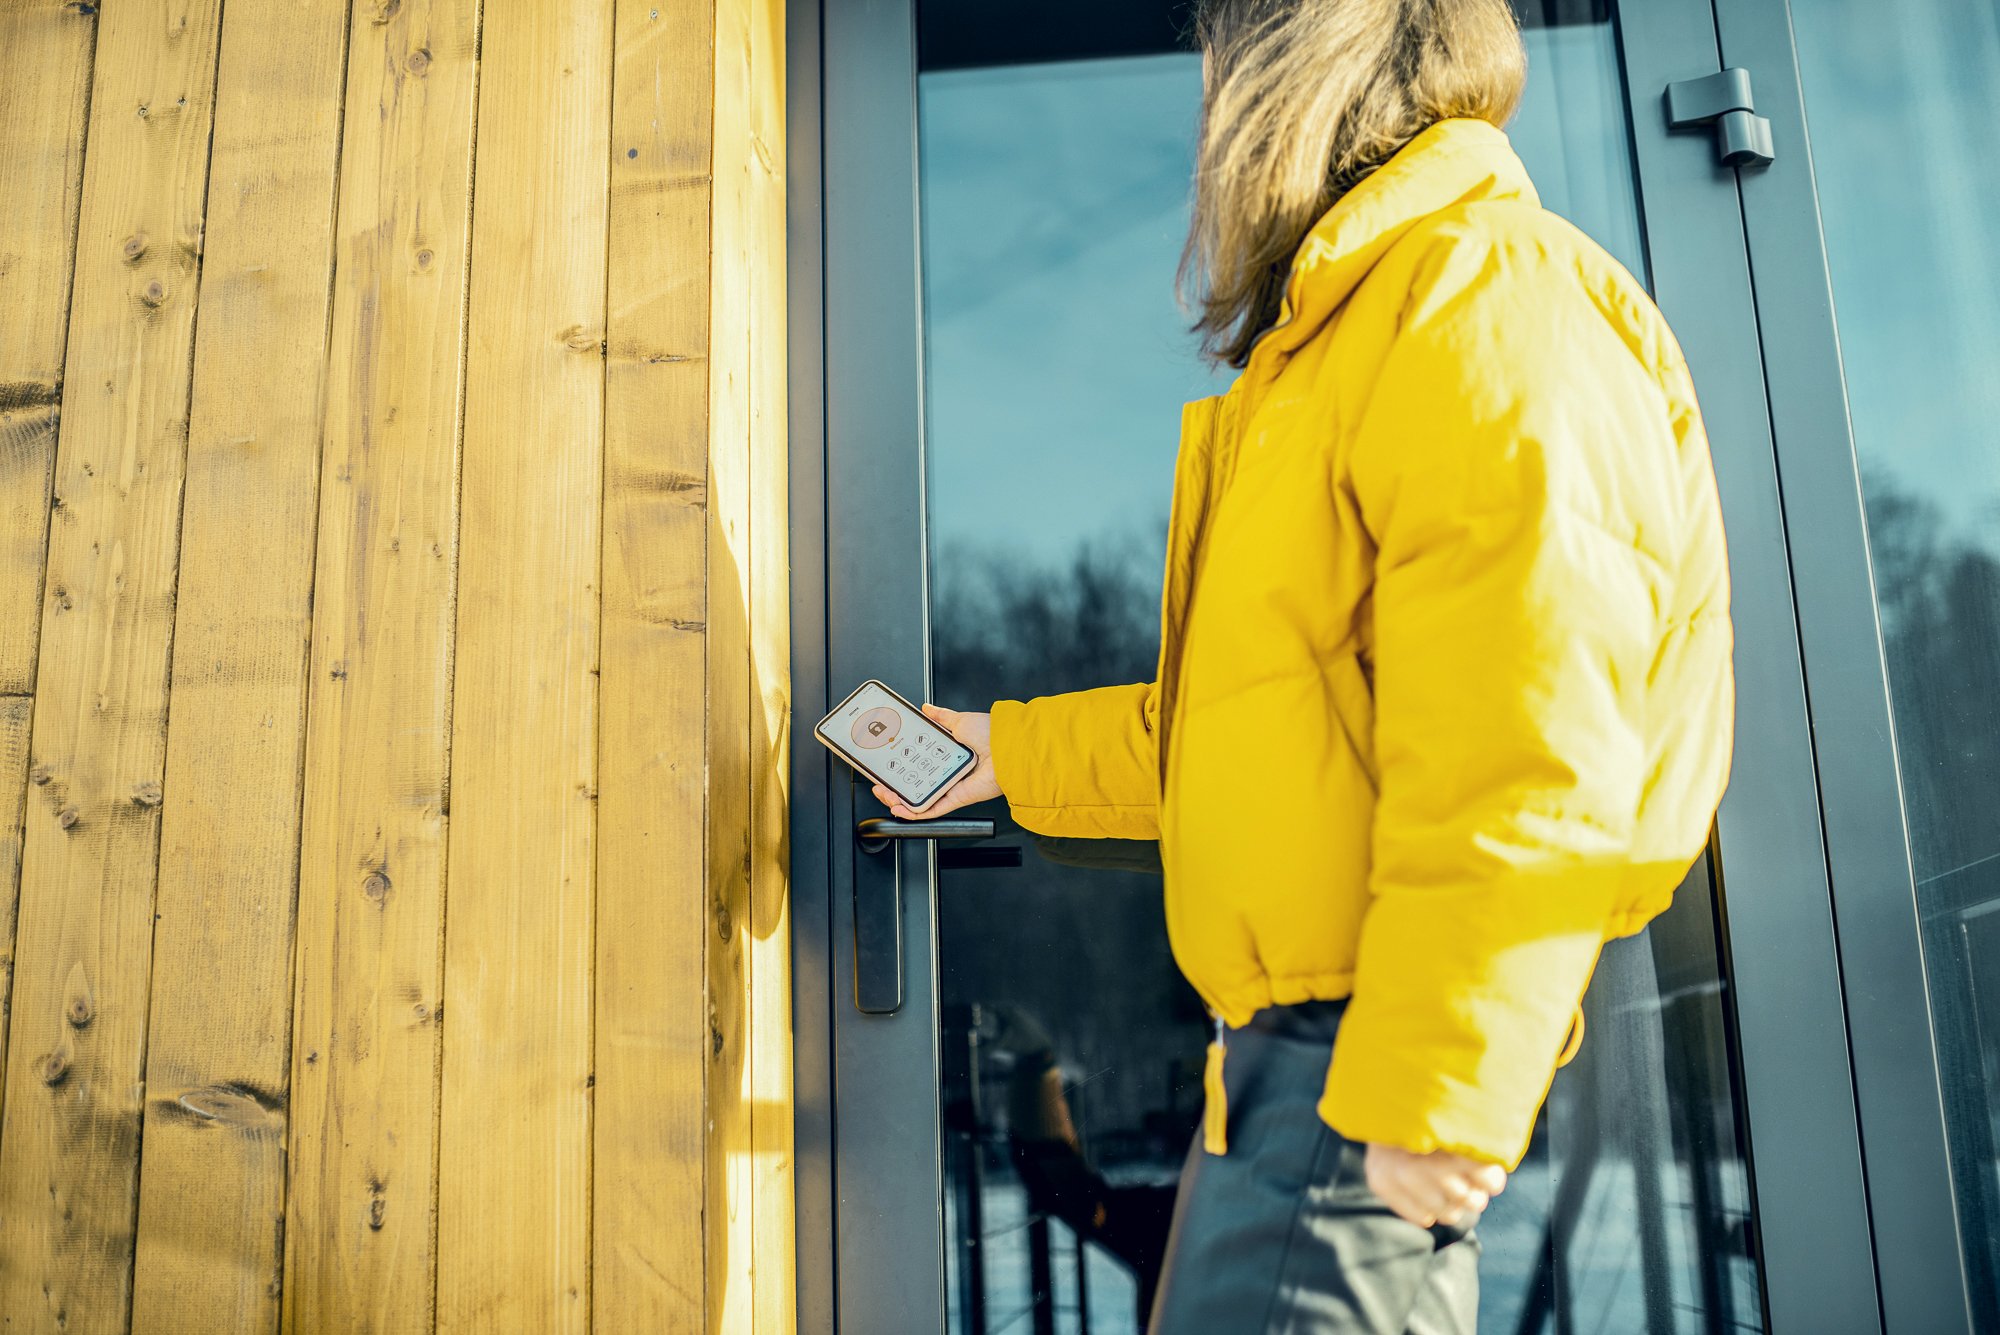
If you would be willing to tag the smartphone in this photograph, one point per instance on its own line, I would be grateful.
(890, 741)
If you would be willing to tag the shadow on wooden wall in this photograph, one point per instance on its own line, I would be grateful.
(393, 696)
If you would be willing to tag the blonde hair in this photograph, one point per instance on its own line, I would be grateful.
(1303, 99)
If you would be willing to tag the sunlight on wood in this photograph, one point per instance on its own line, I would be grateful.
(394, 667)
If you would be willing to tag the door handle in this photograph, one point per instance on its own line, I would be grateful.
(874, 833)
(878, 902)
(1742, 137)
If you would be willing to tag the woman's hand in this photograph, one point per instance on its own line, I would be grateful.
(1436, 1188)
(978, 784)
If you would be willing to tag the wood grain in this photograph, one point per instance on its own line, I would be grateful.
(212, 1181)
(514, 1167)
(45, 70)
(360, 1244)
(463, 496)
(750, 1244)
(652, 1034)
(757, 160)
(731, 1234)
(15, 713)
(70, 1155)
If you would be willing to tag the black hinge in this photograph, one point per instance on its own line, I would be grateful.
(1742, 137)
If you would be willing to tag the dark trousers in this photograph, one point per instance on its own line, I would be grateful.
(1281, 1235)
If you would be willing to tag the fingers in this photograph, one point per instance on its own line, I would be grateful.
(1460, 1201)
(902, 810)
(897, 807)
(944, 718)
(1431, 1189)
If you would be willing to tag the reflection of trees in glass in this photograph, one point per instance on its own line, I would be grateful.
(1082, 948)
(1940, 607)
(1003, 628)
(1939, 596)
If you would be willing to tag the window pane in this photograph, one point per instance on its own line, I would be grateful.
(1899, 105)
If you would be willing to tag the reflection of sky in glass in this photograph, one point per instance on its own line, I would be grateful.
(1901, 113)
(1055, 202)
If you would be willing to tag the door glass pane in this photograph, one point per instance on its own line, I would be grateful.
(1054, 203)
(1898, 109)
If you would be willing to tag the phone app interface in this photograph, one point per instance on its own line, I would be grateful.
(905, 750)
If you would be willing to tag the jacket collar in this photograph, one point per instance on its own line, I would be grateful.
(1455, 161)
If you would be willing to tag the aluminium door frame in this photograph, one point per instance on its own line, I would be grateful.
(1923, 1271)
(870, 1244)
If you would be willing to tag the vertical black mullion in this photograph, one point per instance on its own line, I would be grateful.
(811, 872)
(888, 1248)
(1783, 964)
(1922, 1273)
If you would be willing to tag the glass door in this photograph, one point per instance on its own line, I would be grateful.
(1877, 291)
(1001, 364)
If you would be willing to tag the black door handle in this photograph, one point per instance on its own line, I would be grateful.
(878, 902)
(874, 833)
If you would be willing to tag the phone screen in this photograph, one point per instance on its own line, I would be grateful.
(890, 741)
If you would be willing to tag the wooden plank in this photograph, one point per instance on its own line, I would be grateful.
(746, 388)
(69, 1158)
(652, 1037)
(15, 714)
(514, 1166)
(212, 1181)
(360, 1232)
(757, 160)
(45, 67)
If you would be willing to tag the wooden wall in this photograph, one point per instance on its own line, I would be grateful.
(393, 700)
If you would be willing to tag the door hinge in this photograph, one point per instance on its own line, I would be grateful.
(1742, 137)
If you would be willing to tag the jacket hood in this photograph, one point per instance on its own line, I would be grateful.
(1458, 161)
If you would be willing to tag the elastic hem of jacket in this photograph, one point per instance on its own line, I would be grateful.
(1237, 1003)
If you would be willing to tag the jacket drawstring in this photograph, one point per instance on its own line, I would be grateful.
(1215, 1102)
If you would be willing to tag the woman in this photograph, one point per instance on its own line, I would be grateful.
(1444, 690)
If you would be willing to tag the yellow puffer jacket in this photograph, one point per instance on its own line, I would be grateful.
(1444, 699)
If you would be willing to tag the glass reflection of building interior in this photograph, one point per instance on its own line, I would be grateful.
(1055, 165)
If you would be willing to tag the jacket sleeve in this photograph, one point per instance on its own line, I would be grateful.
(1083, 764)
(1514, 624)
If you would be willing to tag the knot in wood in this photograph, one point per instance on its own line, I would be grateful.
(135, 246)
(148, 794)
(40, 775)
(67, 818)
(155, 293)
(376, 886)
(419, 61)
(81, 1005)
(53, 1068)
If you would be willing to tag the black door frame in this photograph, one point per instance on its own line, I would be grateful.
(868, 1150)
